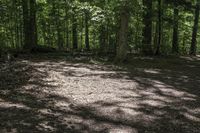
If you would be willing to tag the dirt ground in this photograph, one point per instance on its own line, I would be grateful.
(56, 95)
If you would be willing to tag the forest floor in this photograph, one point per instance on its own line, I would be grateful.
(51, 94)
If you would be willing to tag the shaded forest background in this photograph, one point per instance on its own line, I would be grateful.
(149, 27)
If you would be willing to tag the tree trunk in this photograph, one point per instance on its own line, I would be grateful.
(122, 35)
(102, 38)
(175, 45)
(159, 27)
(30, 26)
(26, 23)
(87, 43)
(82, 23)
(59, 35)
(74, 32)
(147, 31)
(33, 23)
(193, 47)
(66, 25)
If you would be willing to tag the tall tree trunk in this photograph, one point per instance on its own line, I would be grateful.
(175, 45)
(67, 34)
(102, 38)
(159, 27)
(155, 41)
(82, 23)
(16, 20)
(26, 23)
(66, 26)
(74, 32)
(33, 23)
(193, 47)
(59, 35)
(122, 35)
(147, 31)
(21, 30)
(87, 42)
(137, 30)
(30, 26)
(107, 48)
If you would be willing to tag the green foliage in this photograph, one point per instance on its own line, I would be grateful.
(55, 23)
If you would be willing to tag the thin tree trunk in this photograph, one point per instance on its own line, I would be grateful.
(102, 38)
(67, 27)
(82, 23)
(159, 27)
(147, 31)
(87, 42)
(33, 23)
(74, 32)
(156, 34)
(26, 23)
(175, 45)
(193, 47)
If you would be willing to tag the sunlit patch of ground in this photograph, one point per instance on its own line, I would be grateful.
(147, 96)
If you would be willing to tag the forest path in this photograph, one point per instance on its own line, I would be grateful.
(151, 95)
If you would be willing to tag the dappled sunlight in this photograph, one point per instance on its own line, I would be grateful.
(57, 96)
(5, 104)
(150, 71)
(153, 103)
(191, 117)
(122, 130)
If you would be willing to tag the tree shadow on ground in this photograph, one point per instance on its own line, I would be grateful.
(165, 97)
(25, 102)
